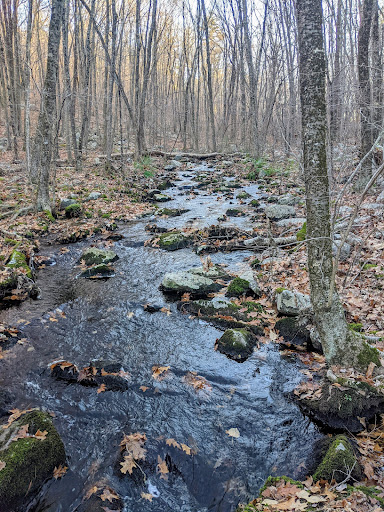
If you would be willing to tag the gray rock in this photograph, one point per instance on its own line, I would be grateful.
(287, 223)
(66, 202)
(380, 198)
(215, 272)
(176, 163)
(345, 250)
(94, 256)
(279, 211)
(372, 206)
(161, 198)
(289, 200)
(315, 339)
(253, 284)
(93, 196)
(187, 282)
(292, 303)
(174, 241)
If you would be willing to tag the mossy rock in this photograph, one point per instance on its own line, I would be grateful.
(339, 409)
(254, 203)
(161, 198)
(171, 212)
(73, 210)
(338, 461)
(174, 241)
(178, 283)
(302, 234)
(237, 344)
(293, 332)
(243, 195)
(234, 212)
(18, 260)
(238, 287)
(101, 271)
(29, 461)
(94, 256)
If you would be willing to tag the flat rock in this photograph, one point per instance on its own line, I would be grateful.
(187, 282)
(279, 211)
(95, 256)
(286, 223)
(292, 303)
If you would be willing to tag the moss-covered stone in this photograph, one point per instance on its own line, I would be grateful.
(73, 210)
(174, 241)
(234, 212)
(356, 327)
(29, 461)
(338, 461)
(293, 332)
(237, 344)
(302, 234)
(238, 287)
(254, 203)
(95, 256)
(368, 355)
(101, 271)
(49, 216)
(272, 481)
(17, 261)
(243, 195)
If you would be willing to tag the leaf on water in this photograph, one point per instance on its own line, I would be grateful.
(159, 372)
(90, 492)
(87, 373)
(101, 388)
(273, 336)
(109, 494)
(147, 496)
(196, 381)
(41, 435)
(144, 388)
(2, 465)
(186, 449)
(53, 319)
(162, 468)
(130, 314)
(173, 442)
(233, 432)
(128, 464)
(134, 445)
(166, 310)
(60, 472)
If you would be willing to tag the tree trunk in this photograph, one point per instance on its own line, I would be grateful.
(340, 345)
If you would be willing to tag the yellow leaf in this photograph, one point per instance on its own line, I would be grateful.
(233, 432)
(172, 442)
(162, 468)
(147, 496)
(128, 464)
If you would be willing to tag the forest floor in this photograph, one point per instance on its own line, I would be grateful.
(123, 196)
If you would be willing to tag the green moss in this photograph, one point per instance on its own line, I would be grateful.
(233, 212)
(302, 234)
(368, 355)
(279, 290)
(234, 338)
(10, 241)
(49, 216)
(243, 195)
(338, 460)
(372, 492)
(18, 260)
(355, 327)
(29, 461)
(255, 203)
(367, 266)
(255, 263)
(252, 306)
(273, 480)
(237, 287)
(173, 241)
(73, 210)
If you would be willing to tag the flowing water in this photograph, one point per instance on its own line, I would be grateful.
(275, 438)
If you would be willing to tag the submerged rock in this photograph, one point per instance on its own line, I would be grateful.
(174, 241)
(292, 303)
(279, 211)
(94, 256)
(339, 460)
(101, 271)
(188, 282)
(29, 461)
(237, 344)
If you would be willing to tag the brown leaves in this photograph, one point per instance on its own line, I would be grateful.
(162, 468)
(133, 445)
(2, 465)
(196, 381)
(59, 472)
(181, 446)
(16, 413)
(147, 496)
(109, 494)
(88, 373)
(101, 388)
(159, 372)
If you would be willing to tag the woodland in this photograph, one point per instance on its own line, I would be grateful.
(191, 255)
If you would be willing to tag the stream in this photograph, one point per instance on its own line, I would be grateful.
(95, 322)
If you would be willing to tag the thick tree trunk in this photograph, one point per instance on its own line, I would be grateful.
(44, 138)
(339, 344)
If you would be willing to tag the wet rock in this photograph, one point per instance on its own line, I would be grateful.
(28, 461)
(292, 303)
(173, 164)
(279, 211)
(187, 282)
(5, 402)
(174, 241)
(293, 332)
(64, 203)
(243, 195)
(101, 271)
(214, 272)
(339, 460)
(237, 344)
(109, 374)
(171, 212)
(161, 198)
(252, 283)
(98, 504)
(95, 256)
(234, 212)
(73, 210)
(153, 192)
(340, 408)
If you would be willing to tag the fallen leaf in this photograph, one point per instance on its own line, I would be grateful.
(159, 372)
(147, 496)
(41, 435)
(162, 468)
(60, 472)
(233, 432)
(173, 442)
(144, 388)
(101, 388)
(130, 314)
(186, 449)
(2, 465)
(91, 491)
(128, 464)
(109, 494)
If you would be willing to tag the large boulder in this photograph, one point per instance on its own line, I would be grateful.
(279, 211)
(244, 285)
(338, 461)
(26, 461)
(174, 241)
(237, 344)
(214, 272)
(188, 282)
(94, 256)
(292, 303)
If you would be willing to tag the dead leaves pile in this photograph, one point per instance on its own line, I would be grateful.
(133, 450)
